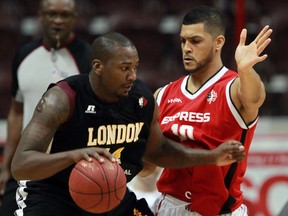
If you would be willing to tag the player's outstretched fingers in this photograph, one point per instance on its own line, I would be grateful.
(263, 35)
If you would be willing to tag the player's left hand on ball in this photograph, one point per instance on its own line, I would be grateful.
(229, 152)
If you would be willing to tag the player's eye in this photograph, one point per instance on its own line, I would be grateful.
(182, 40)
(125, 68)
(52, 15)
(196, 41)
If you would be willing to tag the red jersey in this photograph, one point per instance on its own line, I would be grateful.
(204, 120)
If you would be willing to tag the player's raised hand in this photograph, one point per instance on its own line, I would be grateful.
(229, 152)
(247, 56)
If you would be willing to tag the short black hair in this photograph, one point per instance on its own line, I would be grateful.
(105, 45)
(209, 16)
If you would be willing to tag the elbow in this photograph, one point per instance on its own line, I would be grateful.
(251, 102)
(255, 104)
(17, 171)
(260, 98)
(14, 171)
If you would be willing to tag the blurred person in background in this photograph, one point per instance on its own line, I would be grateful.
(209, 106)
(57, 55)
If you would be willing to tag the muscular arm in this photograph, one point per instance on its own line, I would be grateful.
(248, 91)
(30, 160)
(167, 153)
(14, 128)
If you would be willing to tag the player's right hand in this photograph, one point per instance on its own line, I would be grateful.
(88, 153)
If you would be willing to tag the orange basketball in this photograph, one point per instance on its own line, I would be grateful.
(97, 187)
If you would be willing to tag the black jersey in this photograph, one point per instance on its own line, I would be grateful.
(122, 127)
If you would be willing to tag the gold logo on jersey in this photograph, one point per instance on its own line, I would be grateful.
(114, 134)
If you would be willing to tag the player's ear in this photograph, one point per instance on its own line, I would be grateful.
(97, 66)
(219, 42)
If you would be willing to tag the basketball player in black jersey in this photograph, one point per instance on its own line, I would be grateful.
(107, 113)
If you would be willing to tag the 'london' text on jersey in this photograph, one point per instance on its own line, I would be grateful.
(114, 134)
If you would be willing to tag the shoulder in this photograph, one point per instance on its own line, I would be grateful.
(140, 88)
(28, 47)
(141, 91)
(25, 50)
(231, 73)
(139, 84)
(56, 104)
(228, 76)
(72, 82)
(172, 85)
(77, 80)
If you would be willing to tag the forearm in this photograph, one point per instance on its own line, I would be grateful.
(14, 128)
(8, 153)
(36, 165)
(251, 89)
(147, 170)
(175, 155)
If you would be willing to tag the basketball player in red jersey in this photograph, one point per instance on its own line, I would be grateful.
(203, 109)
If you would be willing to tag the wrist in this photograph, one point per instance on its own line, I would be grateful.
(5, 169)
(211, 157)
